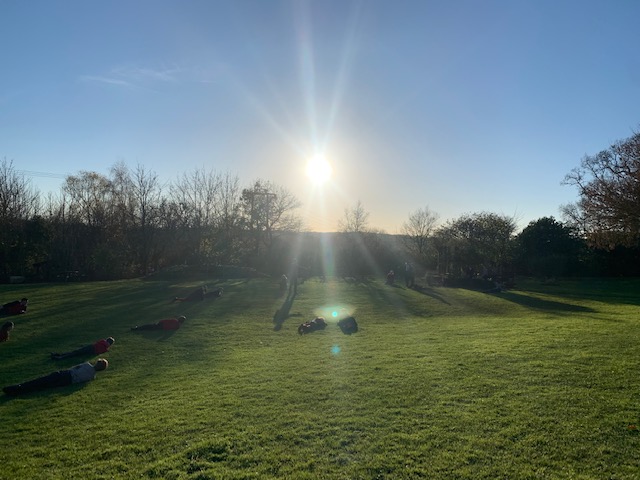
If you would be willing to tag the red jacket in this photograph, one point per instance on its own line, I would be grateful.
(101, 346)
(169, 324)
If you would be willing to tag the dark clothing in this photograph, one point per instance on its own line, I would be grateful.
(101, 346)
(195, 296)
(391, 278)
(217, 293)
(409, 275)
(82, 351)
(317, 323)
(13, 308)
(60, 378)
(348, 325)
(76, 374)
(293, 279)
(168, 324)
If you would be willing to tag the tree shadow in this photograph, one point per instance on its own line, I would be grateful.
(157, 335)
(540, 304)
(283, 312)
(429, 293)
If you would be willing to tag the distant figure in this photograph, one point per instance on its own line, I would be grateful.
(168, 324)
(391, 278)
(196, 295)
(348, 325)
(97, 348)
(317, 323)
(409, 275)
(293, 278)
(214, 293)
(84, 372)
(14, 308)
(498, 287)
(284, 283)
(5, 330)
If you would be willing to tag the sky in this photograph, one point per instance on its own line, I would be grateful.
(461, 106)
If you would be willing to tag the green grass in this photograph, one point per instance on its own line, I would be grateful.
(538, 382)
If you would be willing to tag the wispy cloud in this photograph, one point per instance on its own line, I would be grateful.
(133, 76)
(108, 80)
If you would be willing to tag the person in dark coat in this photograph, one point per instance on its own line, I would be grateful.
(14, 308)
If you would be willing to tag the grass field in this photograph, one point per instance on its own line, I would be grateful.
(540, 382)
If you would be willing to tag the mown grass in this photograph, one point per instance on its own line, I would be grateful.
(538, 382)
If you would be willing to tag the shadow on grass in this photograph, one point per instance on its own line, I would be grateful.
(430, 293)
(157, 335)
(283, 312)
(607, 290)
(540, 304)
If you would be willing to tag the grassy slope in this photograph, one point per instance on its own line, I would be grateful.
(540, 382)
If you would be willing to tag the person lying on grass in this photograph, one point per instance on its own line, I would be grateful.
(14, 308)
(84, 372)
(317, 323)
(97, 348)
(4, 331)
(214, 293)
(167, 324)
(194, 296)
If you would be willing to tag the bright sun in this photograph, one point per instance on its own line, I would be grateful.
(319, 170)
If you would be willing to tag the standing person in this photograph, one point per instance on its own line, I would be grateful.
(293, 278)
(84, 372)
(4, 331)
(409, 275)
(14, 308)
(284, 282)
(167, 324)
(97, 348)
(391, 277)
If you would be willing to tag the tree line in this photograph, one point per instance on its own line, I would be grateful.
(128, 223)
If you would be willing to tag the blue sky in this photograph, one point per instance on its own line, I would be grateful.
(462, 106)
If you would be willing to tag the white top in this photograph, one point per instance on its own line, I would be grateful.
(82, 373)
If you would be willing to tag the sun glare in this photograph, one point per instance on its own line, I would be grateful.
(319, 170)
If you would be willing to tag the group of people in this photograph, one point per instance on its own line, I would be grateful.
(348, 325)
(77, 374)
(409, 276)
(86, 371)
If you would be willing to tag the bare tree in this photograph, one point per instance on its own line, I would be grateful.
(195, 195)
(18, 199)
(268, 208)
(356, 219)
(418, 229)
(19, 203)
(228, 218)
(90, 195)
(146, 193)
